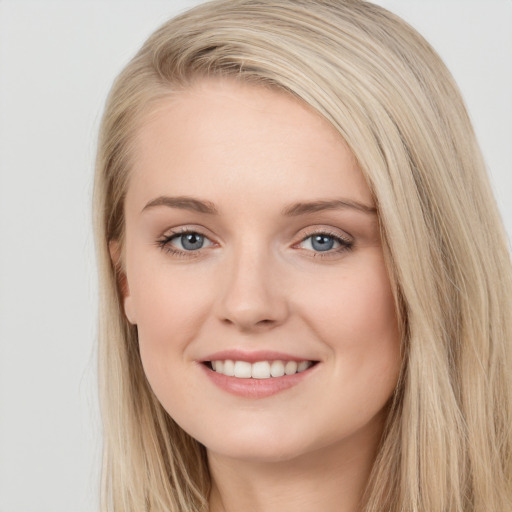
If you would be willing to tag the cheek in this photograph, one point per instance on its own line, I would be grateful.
(165, 311)
(358, 303)
(170, 308)
(169, 314)
(355, 316)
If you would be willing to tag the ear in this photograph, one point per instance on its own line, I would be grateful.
(122, 282)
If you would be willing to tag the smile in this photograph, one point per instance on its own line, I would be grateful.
(257, 374)
(258, 369)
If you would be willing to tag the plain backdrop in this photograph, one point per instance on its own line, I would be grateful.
(57, 61)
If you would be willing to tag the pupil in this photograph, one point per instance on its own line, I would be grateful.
(192, 241)
(322, 242)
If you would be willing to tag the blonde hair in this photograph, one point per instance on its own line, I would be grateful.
(447, 445)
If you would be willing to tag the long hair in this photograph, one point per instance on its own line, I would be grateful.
(447, 443)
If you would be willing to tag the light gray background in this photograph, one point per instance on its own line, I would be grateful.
(57, 61)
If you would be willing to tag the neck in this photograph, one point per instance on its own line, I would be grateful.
(330, 479)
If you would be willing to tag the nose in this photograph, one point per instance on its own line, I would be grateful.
(251, 296)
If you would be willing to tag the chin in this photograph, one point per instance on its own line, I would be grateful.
(260, 445)
(257, 453)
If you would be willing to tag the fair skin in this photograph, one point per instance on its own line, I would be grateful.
(258, 279)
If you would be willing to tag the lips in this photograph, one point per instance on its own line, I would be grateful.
(256, 374)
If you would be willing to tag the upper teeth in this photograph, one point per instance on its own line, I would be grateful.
(260, 369)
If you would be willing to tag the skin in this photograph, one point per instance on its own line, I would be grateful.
(259, 283)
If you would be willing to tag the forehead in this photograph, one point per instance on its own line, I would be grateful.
(249, 139)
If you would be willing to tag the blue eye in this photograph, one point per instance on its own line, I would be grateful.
(184, 243)
(191, 241)
(324, 242)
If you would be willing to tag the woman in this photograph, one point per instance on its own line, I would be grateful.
(306, 284)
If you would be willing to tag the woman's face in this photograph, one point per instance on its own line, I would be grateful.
(252, 247)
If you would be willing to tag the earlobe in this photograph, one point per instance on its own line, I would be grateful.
(122, 281)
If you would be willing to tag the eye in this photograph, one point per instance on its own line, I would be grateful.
(184, 243)
(189, 241)
(325, 242)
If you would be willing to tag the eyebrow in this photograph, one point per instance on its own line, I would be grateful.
(335, 204)
(293, 210)
(184, 203)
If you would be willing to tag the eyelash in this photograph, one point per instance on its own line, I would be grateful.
(165, 243)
